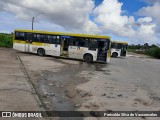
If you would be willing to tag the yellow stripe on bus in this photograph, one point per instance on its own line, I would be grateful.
(19, 41)
(37, 44)
(33, 43)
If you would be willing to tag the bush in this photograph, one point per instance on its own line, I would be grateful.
(154, 52)
(6, 40)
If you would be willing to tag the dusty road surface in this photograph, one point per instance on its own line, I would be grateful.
(16, 94)
(126, 84)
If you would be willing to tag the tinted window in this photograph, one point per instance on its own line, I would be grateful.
(116, 46)
(81, 42)
(51, 39)
(19, 36)
(40, 38)
(54, 39)
(28, 36)
(119, 46)
(93, 43)
(58, 41)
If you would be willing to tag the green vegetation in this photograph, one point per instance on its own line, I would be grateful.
(6, 40)
(153, 50)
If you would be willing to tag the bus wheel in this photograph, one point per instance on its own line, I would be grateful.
(41, 52)
(114, 54)
(88, 58)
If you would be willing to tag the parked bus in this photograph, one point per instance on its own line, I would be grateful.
(90, 48)
(118, 49)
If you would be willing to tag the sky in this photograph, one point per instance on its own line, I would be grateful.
(134, 21)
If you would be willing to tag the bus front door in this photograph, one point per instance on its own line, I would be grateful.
(102, 51)
(124, 50)
(28, 38)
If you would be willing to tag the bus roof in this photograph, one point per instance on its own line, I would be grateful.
(63, 33)
(121, 42)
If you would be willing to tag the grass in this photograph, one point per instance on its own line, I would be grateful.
(6, 40)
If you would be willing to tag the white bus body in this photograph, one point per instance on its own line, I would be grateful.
(63, 45)
(119, 49)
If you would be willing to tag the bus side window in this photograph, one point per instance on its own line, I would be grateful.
(42, 38)
(29, 36)
(86, 42)
(35, 38)
(81, 42)
(114, 45)
(52, 39)
(78, 41)
(58, 41)
(74, 41)
(19, 36)
(71, 41)
(119, 46)
(93, 43)
(39, 38)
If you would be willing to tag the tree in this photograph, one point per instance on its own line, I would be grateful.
(146, 46)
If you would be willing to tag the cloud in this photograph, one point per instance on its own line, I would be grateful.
(146, 33)
(151, 11)
(151, 15)
(69, 13)
(74, 15)
(145, 20)
(108, 16)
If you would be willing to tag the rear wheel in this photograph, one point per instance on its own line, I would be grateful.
(88, 58)
(115, 54)
(41, 52)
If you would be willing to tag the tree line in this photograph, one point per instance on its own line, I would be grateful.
(151, 50)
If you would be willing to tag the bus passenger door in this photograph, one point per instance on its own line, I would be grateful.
(64, 46)
(124, 50)
(102, 50)
(28, 38)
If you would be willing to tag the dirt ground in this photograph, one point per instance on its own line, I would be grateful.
(125, 84)
(16, 93)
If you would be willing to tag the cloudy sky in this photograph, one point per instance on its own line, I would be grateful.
(135, 21)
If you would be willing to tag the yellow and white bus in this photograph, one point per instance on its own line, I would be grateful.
(90, 48)
(119, 49)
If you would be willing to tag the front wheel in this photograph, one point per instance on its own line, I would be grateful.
(41, 52)
(88, 58)
(115, 55)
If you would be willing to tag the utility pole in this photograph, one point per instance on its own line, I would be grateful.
(33, 20)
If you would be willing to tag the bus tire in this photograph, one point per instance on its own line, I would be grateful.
(114, 54)
(88, 58)
(41, 52)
